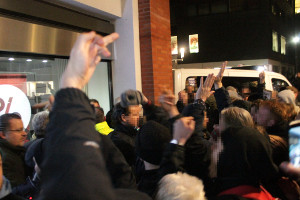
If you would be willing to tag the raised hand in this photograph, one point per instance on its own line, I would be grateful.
(167, 101)
(183, 97)
(218, 80)
(204, 91)
(183, 129)
(85, 55)
(290, 170)
(262, 77)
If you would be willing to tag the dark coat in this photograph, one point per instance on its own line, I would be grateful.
(124, 139)
(245, 160)
(12, 197)
(120, 172)
(14, 168)
(73, 165)
(149, 181)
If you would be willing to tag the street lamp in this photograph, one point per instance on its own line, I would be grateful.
(296, 40)
(181, 56)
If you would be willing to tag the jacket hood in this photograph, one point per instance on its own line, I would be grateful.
(246, 157)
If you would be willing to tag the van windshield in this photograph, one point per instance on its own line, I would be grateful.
(237, 82)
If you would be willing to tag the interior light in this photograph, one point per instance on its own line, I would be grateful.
(11, 59)
(28, 60)
(44, 61)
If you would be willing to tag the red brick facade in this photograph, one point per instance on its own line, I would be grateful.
(155, 44)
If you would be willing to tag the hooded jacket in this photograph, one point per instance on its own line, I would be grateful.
(245, 160)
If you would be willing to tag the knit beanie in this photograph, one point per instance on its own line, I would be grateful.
(151, 142)
(131, 97)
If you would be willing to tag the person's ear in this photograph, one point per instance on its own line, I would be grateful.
(2, 135)
(123, 118)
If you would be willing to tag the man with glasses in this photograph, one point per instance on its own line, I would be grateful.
(12, 139)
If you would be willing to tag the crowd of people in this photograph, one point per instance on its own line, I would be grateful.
(210, 144)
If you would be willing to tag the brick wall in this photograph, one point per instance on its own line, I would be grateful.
(155, 41)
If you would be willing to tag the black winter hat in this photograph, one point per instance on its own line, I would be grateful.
(151, 142)
(34, 150)
(131, 97)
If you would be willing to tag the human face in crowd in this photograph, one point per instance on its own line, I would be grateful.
(217, 148)
(264, 117)
(246, 93)
(133, 117)
(95, 104)
(189, 89)
(15, 133)
(222, 125)
(253, 113)
(205, 120)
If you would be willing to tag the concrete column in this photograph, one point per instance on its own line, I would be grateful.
(127, 65)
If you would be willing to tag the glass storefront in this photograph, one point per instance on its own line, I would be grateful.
(38, 79)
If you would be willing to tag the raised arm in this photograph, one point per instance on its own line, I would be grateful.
(85, 55)
(74, 167)
(221, 95)
(174, 154)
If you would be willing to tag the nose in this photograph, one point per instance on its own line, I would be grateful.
(24, 133)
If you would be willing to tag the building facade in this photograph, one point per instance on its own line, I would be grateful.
(243, 32)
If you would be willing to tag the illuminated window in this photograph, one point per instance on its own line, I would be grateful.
(283, 45)
(275, 41)
(193, 42)
(297, 6)
(174, 46)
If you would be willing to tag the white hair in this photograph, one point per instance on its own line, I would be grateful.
(180, 186)
(39, 123)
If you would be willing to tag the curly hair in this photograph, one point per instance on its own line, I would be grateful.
(278, 109)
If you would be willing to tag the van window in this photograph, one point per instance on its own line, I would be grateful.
(237, 82)
(278, 83)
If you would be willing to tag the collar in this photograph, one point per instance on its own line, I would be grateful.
(128, 130)
(6, 144)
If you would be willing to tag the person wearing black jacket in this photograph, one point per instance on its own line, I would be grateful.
(196, 150)
(73, 165)
(12, 139)
(127, 121)
(150, 144)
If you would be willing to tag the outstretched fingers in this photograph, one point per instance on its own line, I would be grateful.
(102, 42)
(209, 81)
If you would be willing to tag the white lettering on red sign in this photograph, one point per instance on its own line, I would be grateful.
(12, 99)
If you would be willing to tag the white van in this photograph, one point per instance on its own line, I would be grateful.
(232, 77)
